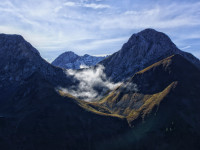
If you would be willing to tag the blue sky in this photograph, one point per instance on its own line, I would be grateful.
(99, 27)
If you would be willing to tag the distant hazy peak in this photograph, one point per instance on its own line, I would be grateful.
(68, 53)
(70, 60)
(86, 55)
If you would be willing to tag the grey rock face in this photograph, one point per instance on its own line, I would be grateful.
(142, 50)
(19, 60)
(70, 60)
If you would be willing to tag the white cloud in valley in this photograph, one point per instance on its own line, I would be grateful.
(93, 84)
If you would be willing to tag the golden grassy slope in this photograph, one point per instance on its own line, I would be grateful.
(93, 107)
(129, 105)
(150, 102)
(165, 62)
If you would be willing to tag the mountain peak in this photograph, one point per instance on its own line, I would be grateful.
(86, 55)
(69, 53)
(16, 44)
(11, 36)
(19, 60)
(153, 36)
(149, 30)
(142, 49)
(70, 60)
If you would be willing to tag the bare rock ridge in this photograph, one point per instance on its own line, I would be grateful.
(141, 50)
(70, 60)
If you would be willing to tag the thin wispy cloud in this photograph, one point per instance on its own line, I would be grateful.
(87, 5)
(96, 6)
(98, 26)
(156, 17)
(186, 47)
(71, 4)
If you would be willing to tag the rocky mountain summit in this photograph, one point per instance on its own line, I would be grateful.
(19, 60)
(70, 60)
(141, 50)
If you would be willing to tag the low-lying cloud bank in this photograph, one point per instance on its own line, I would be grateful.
(93, 83)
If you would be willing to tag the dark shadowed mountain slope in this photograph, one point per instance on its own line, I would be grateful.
(34, 116)
(142, 50)
(162, 103)
(70, 60)
(38, 118)
(19, 60)
(153, 84)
